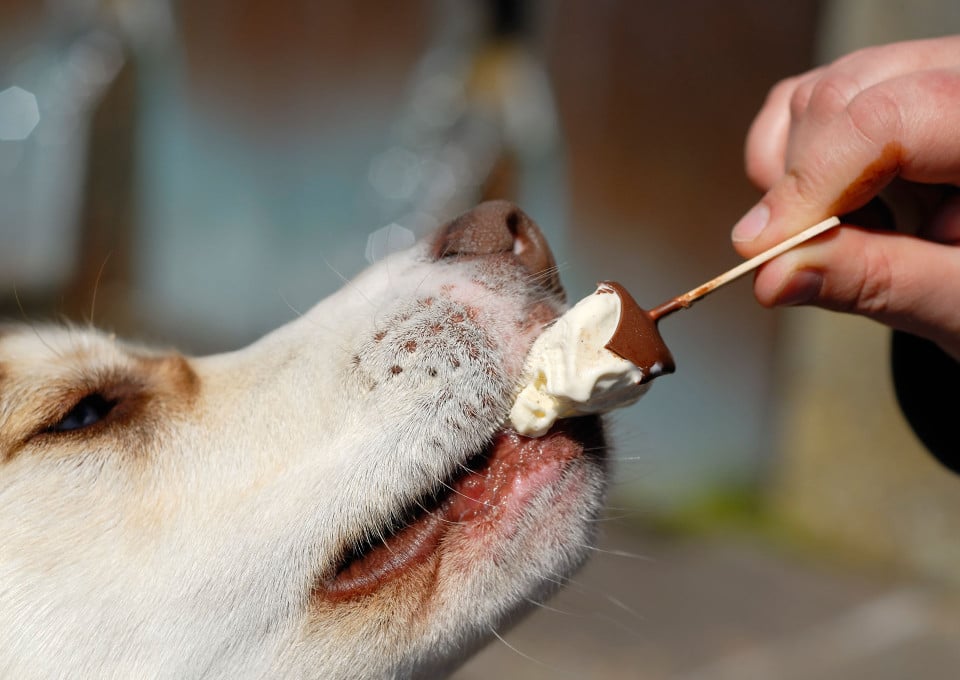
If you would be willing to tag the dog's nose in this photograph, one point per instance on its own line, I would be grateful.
(499, 228)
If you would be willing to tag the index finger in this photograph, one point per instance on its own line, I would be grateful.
(905, 126)
(766, 146)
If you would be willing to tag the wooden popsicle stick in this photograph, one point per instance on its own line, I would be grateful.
(688, 298)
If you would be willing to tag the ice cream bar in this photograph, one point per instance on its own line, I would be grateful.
(598, 356)
(603, 352)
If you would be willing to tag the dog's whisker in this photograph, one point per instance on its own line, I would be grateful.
(556, 579)
(603, 519)
(616, 553)
(589, 616)
(422, 281)
(632, 459)
(541, 277)
(469, 498)
(383, 540)
(96, 289)
(443, 520)
(555, 610)
(526, 656)
(619, 604)
(619, 508)
(57, 353)
(577, 586)
(623, 626)
(573, 584)
(296, 312)
(347, 282)
(594, 616)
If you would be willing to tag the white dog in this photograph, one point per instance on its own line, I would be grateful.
(338, 500)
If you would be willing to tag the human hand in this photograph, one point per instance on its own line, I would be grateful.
(830, 140)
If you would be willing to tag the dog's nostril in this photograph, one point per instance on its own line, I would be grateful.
(488, 229)
(513, 222)
(496, 228)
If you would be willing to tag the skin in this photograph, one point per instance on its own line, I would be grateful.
(884, 121)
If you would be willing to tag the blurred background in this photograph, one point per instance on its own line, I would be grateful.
(197, 173)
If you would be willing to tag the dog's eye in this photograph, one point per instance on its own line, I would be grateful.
(88, 411)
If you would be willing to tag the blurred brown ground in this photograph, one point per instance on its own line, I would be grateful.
(729, 608)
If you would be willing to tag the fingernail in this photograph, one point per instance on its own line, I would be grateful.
(751, 224)
(802, 287)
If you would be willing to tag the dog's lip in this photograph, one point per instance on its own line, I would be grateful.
(488, 498)
(518, 468)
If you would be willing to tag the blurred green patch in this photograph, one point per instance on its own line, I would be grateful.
(736, 508)
(739, 512)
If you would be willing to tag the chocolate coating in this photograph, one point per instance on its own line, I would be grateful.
(637, 338)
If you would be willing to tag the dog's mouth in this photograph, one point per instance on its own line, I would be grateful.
(487, 498)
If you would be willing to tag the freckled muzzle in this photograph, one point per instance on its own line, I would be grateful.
(495, 492)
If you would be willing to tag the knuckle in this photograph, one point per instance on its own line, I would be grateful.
(875, 115)
(801, 184)
(831, 94)
(872, 294)
(783, 88)
(800, 99)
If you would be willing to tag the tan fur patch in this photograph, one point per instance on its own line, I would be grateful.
(142, 392)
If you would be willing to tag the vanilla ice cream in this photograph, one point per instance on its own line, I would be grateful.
(572, 368)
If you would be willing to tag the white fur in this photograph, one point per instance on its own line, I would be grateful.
(186, 543)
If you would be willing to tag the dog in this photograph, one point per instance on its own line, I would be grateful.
(340, 499)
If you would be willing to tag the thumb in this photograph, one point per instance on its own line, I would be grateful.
(898, 280)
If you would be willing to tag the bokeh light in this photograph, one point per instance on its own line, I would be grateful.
(387, 240)
(19, 114)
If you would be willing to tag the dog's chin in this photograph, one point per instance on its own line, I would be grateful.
(511, 487)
